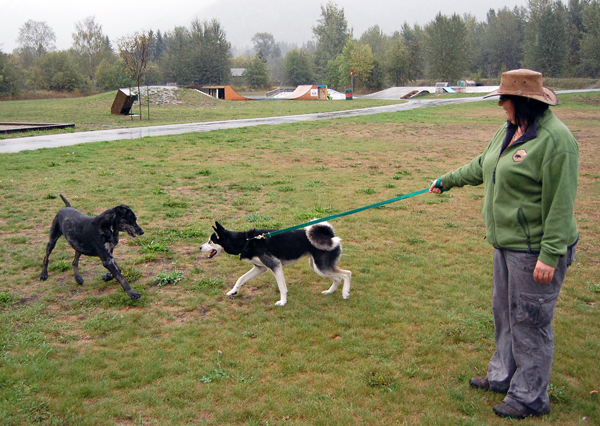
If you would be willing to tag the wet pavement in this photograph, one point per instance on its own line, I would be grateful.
(54, 141)
(58, 140)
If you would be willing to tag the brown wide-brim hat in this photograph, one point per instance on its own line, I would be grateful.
(526, 83)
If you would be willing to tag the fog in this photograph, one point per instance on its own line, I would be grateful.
(288, 21)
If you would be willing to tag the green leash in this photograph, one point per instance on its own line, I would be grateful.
(349, 212)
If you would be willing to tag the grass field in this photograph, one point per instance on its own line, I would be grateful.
(401, 350)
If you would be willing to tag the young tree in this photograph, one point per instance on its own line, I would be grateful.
(297, 67)
(447, 47)
(90, 43)
(135, 51)
(332, 34)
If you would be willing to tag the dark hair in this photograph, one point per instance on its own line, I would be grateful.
(527, 110)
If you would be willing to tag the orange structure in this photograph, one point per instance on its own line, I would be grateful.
(306, 92)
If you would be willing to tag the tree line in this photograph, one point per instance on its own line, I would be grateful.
(556, 39)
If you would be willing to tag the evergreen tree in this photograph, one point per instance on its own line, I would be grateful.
(545, 38)
(332, 34)
(590, 42)
(574, 33)
(414, 40)
(503, 42)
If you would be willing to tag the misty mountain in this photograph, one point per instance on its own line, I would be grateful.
(292, 21)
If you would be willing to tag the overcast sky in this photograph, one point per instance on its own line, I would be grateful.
(287, 20)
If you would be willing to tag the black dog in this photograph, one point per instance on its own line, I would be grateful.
(93, 236)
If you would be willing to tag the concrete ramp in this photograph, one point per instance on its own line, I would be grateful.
(409, 92)
(404, 92)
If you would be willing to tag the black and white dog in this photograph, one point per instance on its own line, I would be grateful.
(318, 242)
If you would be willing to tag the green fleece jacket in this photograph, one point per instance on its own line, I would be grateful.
(530, 188)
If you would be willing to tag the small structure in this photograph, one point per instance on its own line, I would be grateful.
(123, 102)
(466, 83)
(440, 87)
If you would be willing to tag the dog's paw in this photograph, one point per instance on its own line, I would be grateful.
(133, 295)
(231, 292)
(346, 296)
(43, 277)
(281, 303)
(79, 280)
(327, 292)
(107, 277)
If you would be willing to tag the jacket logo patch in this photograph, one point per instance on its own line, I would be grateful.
(519, 155)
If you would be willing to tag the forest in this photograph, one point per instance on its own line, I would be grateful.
(557, 39)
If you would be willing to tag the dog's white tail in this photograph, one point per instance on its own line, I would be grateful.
(322, 236)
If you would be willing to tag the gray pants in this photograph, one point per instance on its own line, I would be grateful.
(523, 311)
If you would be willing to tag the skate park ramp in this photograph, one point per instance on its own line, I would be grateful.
(408, 92)
(227, 93)
(305, 92)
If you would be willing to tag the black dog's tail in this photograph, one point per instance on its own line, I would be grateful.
(322, 236)
(65, 201)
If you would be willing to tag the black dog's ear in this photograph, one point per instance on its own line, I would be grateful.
(106, 221)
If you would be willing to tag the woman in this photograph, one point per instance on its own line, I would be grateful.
(530, 171)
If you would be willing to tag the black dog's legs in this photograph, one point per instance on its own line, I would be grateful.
(110, 264)
(55, 234)
(78, 277)
(108, 276)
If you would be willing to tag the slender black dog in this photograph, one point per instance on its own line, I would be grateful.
(93, 236)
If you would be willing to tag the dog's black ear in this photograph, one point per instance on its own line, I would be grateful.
(219, 227)
(106, 221)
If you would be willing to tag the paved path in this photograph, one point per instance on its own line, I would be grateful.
(67, 139)
(53, 141)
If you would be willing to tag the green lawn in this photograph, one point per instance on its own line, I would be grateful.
(401, 350)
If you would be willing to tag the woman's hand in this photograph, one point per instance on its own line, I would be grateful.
(436, 186)
(543, 273)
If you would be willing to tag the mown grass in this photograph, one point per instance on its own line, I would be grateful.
(187, 106)
(418, 324)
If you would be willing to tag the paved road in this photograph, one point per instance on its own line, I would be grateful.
(67, 139)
